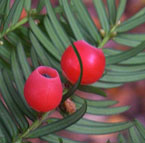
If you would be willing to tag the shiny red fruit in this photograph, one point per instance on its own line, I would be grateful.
(43, 89)
(93, 60)
(23, 14)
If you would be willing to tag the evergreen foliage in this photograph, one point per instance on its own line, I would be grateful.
(22, 49)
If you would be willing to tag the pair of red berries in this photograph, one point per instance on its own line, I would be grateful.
(43, 88)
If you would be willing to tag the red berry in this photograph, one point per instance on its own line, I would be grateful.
(93, 61)
(23, 14)
(43, 89)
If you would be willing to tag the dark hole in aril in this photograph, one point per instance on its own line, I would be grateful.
(46, 75)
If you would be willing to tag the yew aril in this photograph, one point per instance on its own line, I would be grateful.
(93, 61)
(43, 89)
